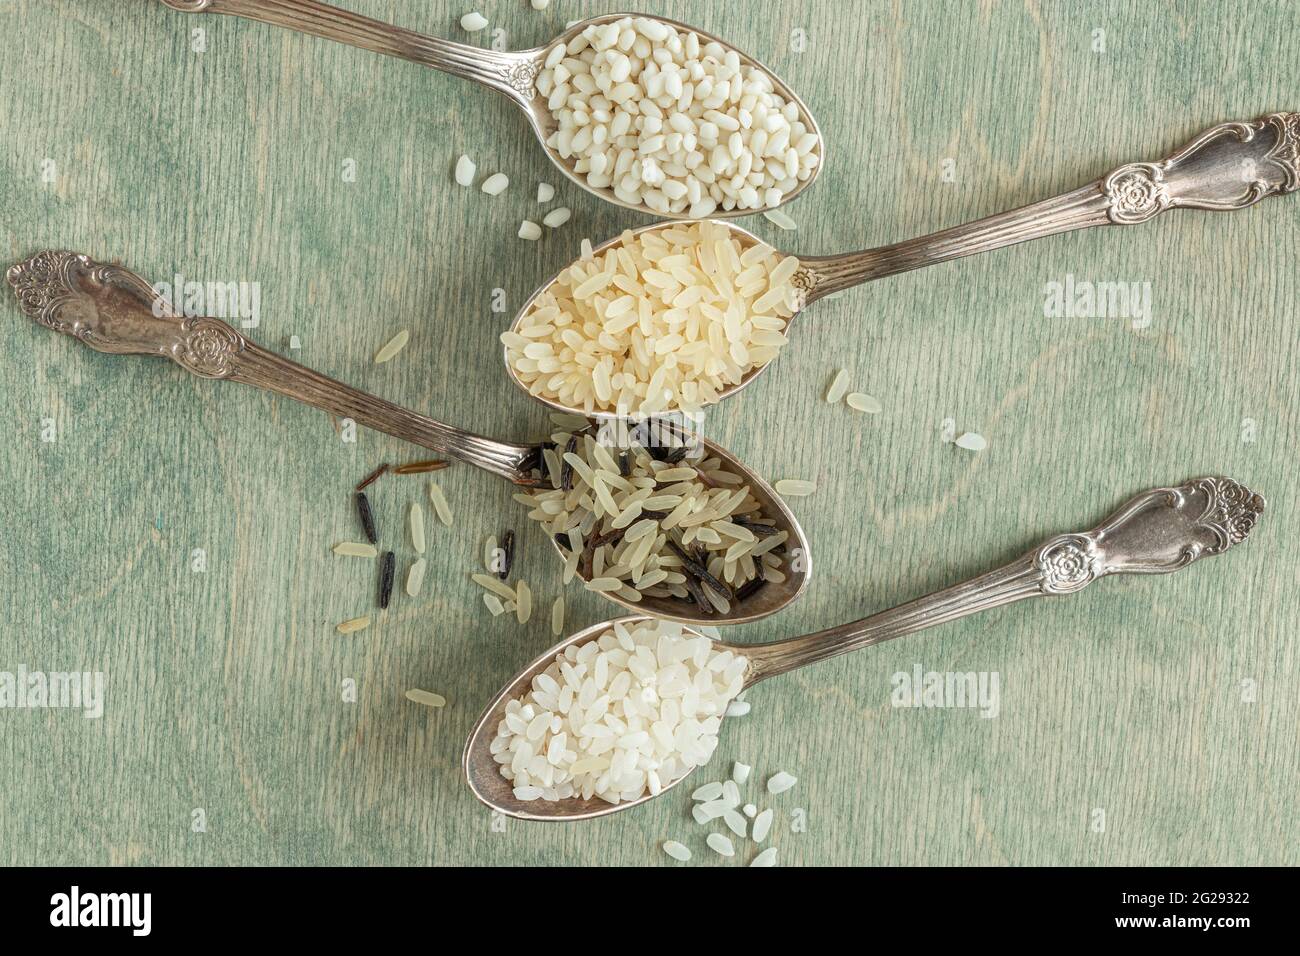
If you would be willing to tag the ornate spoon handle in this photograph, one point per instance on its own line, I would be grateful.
(1232, 166)
(1159, 531)
(503, 72)
(116, 311)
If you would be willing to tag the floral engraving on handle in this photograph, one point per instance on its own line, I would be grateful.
(207, 347)
(522, 78)
(1136, 192)
(804, 281)
(1231, 513)
(1068, 563)
(80, 297)
(1287, 151)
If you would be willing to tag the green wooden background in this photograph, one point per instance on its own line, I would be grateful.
(1167, 705)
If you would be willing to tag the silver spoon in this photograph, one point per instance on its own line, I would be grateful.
(513, 74)
(117, 311)
(1231, 166)
(1158, 531)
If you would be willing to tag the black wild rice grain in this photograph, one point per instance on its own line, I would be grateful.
(562, 539)
(508, 546)
(370, 478)
(625, 464)
(386, 579)
(759, 529)
(750, 588)
(420, 467)
(367, 518)
(676, 455)
(566, 471)
(697, 594)
(695, 568)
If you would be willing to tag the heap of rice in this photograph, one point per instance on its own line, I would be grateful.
(662, 119)
(619, 716)
(646, 521)
(664, 320)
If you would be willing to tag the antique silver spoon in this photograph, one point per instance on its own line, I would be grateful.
(116, 311)
(513, 74)
(1158, 531)
(1231, 166)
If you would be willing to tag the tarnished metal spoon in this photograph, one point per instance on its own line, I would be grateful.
(1156, 532)
(1231, 166)
(117, 311)
(513, 74)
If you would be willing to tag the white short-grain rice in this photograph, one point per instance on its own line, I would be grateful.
(530, 231)
(762, 824)
(721, 845)
(557, 217)
(624, 714)
(495, 184)
(676, 850)
(672, 121)
(780, 782)
(740, 772)
(465, 170)
(352, 625)
(735, 822)
(473, 22)
(545, 192)
(971, 441)
(765, 858)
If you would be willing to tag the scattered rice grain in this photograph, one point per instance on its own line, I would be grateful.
(426, 697)
(672, 847)
(392, 347)
(780, 782)
(721, 845)
(353, 625)
(355, 549)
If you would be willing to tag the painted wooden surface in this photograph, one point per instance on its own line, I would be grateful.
(1143, 721)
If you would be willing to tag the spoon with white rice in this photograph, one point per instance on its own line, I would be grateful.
(677, 316)
(623, 711)
(644, 112)
(660, 520)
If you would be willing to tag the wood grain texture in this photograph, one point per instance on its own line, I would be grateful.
(224, 688)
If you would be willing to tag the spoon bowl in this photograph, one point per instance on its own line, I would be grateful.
(513, 74)
(543, 122)
(771, 597)
(1230, 166)
(1157, 532)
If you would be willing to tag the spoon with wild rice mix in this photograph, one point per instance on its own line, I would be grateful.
(644, 112)
(676, 316)
(658, 520)
(620, 712)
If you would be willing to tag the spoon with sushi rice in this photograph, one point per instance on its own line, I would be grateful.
(677, 316)
(644, 112)
(625, 710)
(652, 516)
